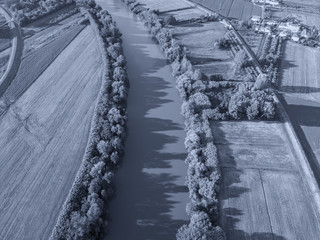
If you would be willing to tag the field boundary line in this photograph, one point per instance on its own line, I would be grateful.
(304, 167)
(266, 202)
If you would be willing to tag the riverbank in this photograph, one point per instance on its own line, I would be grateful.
(151, 195)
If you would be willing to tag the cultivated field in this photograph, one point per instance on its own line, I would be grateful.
(39, 51)
(263, 195)
(304, 2)
(300, 72)
(237, 9)
(308, 12)
(300, 88)
(44, 136)
(186, 14)
(4, 58)
(165, 5)
(202, 51)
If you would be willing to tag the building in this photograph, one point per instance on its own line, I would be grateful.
(304, 33)
(288, 26)
(270, 22)
(284, 34)
(266, 29)
(295, 37)
(256, 18)
(267, 2)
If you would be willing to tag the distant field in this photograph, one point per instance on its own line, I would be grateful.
(200, 40)
(165, 5)
(4, 58)
(43, 139)
(300, 87)
(32, 65)
(186, 14)
(237, 9)
(306, 18)
(300, 72)
(308, 2)
(263, 195)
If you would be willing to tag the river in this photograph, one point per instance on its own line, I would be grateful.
(151, 195)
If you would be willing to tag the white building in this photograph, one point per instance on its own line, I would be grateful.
(295, 37)
(287, 26)
(267, 2)
(284, 34)
(256, 18)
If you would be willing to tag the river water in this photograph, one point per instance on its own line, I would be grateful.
(151, 195)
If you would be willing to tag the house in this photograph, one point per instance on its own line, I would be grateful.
(256, 18)
(295, 37)
(273, 2)
(270, 22)
(288, 26)
(284, 34)
(304, 33)
(266, 29)
(267, 2)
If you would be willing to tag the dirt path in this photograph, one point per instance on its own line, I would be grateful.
(150, 192)
(43, 138)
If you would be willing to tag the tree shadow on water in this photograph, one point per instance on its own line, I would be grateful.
(147, 185)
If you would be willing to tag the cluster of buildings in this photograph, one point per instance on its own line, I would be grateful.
(273, 3)
(287, 29)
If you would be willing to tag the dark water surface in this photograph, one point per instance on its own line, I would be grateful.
(150, 185)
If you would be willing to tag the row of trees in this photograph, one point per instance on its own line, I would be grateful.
(27, 11)
(270, 57)
(198, 108)
(83, 211)
(203, 168)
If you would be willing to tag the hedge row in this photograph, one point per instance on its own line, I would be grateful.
(83, 213)
(28, 11)
(203, 167)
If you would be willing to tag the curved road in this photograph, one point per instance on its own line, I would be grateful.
(16, 52)
(150, 185)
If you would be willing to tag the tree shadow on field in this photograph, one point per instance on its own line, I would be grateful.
(233, 186)
(299, 89)
(305, 114)
(285, 64)
(148, 183)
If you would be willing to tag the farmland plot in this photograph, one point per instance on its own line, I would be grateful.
(238, 9)
(34, 64)
(308, 2)
(307, 14)
(43, 139)
(165, 5)
(4, 58)
(186, 14)
(202, 51)
(263, 195)
(300, 74)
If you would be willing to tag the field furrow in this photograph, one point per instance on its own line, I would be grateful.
(44, 136)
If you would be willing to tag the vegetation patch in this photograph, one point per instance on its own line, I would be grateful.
(203, 168)
(27, 11)
(199, 106)
(83, 211)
